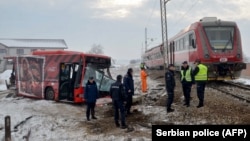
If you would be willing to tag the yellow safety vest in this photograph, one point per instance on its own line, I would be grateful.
(142, 65)
(202, 74)
(187, 76)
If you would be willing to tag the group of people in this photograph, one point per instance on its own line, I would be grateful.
(188, 78)
(121, 93)
(122, 90)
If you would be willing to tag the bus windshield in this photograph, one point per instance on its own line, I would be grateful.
(103, 81)
(220, 38)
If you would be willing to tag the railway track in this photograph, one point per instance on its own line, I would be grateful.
(236, 90)
(239, 91)
(246, 87)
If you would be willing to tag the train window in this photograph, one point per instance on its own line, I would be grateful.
(186, 42)
(220, 38)
(175, 46)
(192, 41)
(183, 43)
(178, 45)
(191, 36)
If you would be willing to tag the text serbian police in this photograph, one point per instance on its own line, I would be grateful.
(201, 133)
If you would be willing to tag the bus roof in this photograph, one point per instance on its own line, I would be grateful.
(66, 52)
(97, 55)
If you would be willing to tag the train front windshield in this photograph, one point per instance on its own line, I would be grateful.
(220, 38)
(103, 81)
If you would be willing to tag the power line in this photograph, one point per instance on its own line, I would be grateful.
(149, 18)
(181, 5)
(190, 8)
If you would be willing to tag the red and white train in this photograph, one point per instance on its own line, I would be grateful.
(216, 43)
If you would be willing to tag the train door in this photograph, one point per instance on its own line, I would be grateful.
(191, 46)
(172, 50)
(67, 78)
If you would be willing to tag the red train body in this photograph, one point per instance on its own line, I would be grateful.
(215, 42)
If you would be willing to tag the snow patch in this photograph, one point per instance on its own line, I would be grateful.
(242, 80)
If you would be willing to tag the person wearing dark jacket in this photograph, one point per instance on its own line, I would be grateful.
(170, 85)
(200, 73)
(90, 96)
(187, 80)
(129, 89)
(117, 93)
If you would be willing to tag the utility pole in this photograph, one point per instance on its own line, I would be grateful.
(146, 44)
(164, 32)
(142, 52)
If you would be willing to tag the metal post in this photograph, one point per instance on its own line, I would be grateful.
(146, 44)
(7, 129)
(142, 52)
(164, 32)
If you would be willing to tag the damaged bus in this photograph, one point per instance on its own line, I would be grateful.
(61, 75)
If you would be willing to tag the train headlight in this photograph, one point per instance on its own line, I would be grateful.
(206, 56)
(238, 55)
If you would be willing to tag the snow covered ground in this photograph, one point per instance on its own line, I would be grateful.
(57, 121)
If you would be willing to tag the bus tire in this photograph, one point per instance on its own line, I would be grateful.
(49, 94)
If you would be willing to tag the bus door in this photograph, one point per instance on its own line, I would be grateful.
(67, 78)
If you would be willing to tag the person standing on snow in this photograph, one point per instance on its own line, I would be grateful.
(90, 96)
(170, 85)
(144, 75)
(200, 75)
(128, 82)
(187, 80)
(117, 93)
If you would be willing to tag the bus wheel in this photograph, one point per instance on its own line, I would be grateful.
(49, 94)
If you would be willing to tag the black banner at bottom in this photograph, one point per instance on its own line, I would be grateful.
(201, 132)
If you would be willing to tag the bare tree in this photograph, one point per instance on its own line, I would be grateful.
(96, 49)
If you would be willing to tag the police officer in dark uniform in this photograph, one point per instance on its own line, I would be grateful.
(170, 85)
(187, 80)
(117, 92)
(200, 75)
(128, 82)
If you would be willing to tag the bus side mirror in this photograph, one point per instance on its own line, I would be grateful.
(193, 43)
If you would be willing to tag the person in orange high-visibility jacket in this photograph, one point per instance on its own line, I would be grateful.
(144, 80)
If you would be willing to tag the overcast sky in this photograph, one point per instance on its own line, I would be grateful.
(117, 25)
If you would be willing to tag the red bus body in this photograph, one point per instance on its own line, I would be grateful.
(41, 76)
